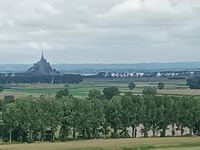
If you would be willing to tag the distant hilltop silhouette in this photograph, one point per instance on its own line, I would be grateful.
(41, 68)
(40, 72)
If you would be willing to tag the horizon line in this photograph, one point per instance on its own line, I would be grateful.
(98, 63)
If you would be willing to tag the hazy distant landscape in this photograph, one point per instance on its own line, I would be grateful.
(96, 68)
(39, 103)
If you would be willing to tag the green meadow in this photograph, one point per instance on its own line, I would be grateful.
(172, 87)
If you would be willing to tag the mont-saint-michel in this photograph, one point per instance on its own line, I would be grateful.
(41, 68)
(114, 75)
(40, 72)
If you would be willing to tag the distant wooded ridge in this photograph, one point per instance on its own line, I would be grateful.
(56, 79)
(95, 68)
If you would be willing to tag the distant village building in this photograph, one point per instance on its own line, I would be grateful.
(42, 67)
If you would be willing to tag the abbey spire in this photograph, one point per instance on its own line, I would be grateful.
(42, 57)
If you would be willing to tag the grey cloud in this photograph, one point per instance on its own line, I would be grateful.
(105, 31)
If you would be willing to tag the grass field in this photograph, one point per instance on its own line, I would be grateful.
(172, 87)
(184, 143)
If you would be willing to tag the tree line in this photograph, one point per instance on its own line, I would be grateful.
(106, 114)
(194, 82)
(49, 79)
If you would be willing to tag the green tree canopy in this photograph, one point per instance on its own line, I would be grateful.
(149, 91)
(109, 92)
(62, 93)
(1, 89)
(161, 85)
(95, 94)
(131, 85)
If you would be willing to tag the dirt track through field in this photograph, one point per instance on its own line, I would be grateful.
(103, 144)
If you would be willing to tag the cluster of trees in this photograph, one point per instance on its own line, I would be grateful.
(57, 79)
(100, 115)
(194, 82)
(160, 86)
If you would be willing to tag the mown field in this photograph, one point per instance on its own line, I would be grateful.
(183, 143)
(172, 87)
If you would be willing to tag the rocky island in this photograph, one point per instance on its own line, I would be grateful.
(42, 67)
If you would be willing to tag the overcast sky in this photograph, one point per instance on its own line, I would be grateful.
(99, 31)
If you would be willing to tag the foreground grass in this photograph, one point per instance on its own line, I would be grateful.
(177, 143)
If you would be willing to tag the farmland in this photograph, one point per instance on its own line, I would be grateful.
(177, 143)
(172, 87)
